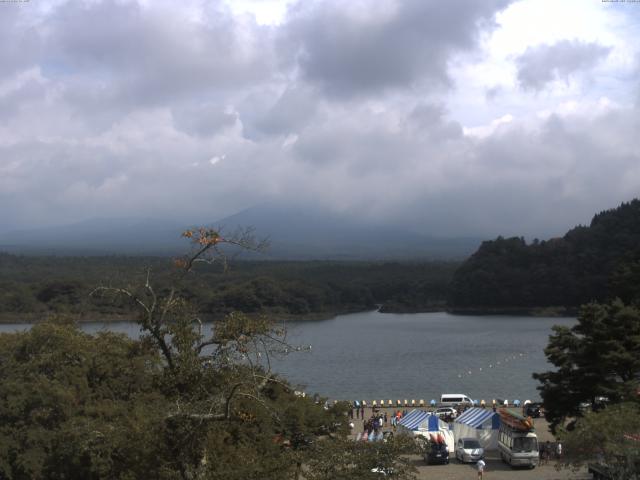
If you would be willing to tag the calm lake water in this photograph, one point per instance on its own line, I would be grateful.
(372, 355)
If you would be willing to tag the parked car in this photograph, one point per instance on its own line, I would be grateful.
(384, 471)
(532, 410)
(437, 453)
(444, 412)
(469, 450)
(584, 406)
(600, 403)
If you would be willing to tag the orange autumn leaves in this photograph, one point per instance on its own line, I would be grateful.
(204, 238)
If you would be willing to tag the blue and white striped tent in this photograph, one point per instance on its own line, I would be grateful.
(419, 422)
(480, 423)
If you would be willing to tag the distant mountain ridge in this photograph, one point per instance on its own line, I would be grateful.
(294, 233)
(98, 236)
(314, 234)
(596, 262)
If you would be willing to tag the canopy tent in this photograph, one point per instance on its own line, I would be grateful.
(419, 422)
(480, 423)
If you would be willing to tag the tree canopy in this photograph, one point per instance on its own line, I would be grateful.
(32, 287)
(610, 437)
(598, 262)
(597, 357)
(181, 402)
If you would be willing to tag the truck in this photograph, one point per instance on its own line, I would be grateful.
(517, 440)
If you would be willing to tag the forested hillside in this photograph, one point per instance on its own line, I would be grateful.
(33, 287)
(596, 262)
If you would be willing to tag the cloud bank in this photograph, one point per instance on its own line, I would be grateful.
(378, 110)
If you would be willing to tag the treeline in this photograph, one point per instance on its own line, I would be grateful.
(590, 263)
(37, 286)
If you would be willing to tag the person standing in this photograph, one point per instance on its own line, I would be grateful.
(559, 450)
(480, 466)
(548, 450)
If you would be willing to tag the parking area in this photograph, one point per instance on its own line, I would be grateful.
(495, 469)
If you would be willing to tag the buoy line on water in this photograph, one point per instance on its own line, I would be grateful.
(494, 365)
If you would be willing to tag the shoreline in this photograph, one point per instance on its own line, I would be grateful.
(559, 312)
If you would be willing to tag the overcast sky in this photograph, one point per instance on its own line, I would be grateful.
(457, 117)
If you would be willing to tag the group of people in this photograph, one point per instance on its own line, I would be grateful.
(374, 424)
(548, 451)
(358, 412)
(396, 417)
(377, 421)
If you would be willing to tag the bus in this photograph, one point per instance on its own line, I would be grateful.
(518, 448)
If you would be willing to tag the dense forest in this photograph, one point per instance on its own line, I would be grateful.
(177, 403)
(32, 287)
(598, 262)
(590, 263)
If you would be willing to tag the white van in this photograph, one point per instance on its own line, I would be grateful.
(455, 399)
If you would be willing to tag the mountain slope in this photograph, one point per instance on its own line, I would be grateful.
(597, 262)
(294, 233)
(314, 234)
(99, 236)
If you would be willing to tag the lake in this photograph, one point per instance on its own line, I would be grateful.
(373, 355)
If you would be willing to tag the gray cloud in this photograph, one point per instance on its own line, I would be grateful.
(202, 120)
(122, 110)
(543, 64)
(148, 56)
(26, 91)
(267, 112)
(18, 31)
(359, 48)
(291, 112)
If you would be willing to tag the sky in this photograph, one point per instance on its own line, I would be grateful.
(453, 118)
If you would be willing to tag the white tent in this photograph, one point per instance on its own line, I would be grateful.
(418, 422)
(480, 423)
